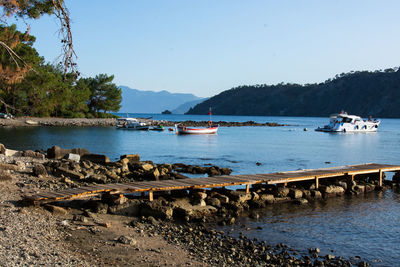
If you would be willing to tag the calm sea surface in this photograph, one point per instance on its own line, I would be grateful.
(366, 226)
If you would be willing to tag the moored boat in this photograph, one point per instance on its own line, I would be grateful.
(211, 129)
(349, 123)
(159, 128)
(131, 124)
(181, 129)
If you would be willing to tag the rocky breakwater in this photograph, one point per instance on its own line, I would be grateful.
(220, 123)
(35, 121)
(59, 168)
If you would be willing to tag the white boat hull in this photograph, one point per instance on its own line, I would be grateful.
(190, 130)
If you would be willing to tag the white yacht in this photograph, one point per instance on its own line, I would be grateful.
(131, 124)
(349, 123)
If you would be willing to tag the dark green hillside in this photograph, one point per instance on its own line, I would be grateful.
(361, 93)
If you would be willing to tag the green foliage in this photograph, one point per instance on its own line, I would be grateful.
(44, 90)
(27, 8)
(104, 95)
(363, 93)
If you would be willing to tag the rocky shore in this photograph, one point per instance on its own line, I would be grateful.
(85, 122)
(177, 228)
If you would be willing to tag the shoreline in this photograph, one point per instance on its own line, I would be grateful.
(132, 226)
(108, 122)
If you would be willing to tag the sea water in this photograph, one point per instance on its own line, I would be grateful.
(367, 226)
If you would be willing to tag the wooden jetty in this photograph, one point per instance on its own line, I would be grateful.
(220, 181)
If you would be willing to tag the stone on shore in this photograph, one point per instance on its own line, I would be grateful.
(267, 198)
(282, 192)
(33, 154)
(239, 196)
(157, 209)
(56, 209)
(127, 240)
(96, 158)
(61, 171)
(56, 152)
(295, 193)
(39, 170)
(73, 157)
(2, 149)
(332, 190)
(132, 158)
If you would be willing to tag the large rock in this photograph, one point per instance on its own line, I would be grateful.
(124, 162)
(96, 158)
(39, 170)
(56, 152)
(199, 195)
(332, 190)
(146, 167)
(56, 209)
(12, 153)
(282, 192)
(267, 198)
(193, 213)
(315, 194)
(359, 189)
(61, 171)
(295, 193)
(156, 209)
(97, 178)
(73, 157)
(153, 174)
(132, 158)
(33, 154)
(215, 202)
(239, 196)
(222, 198)
(2, 149)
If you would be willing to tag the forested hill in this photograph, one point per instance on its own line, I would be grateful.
(361, 93)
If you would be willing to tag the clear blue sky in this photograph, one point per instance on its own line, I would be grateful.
(205, 46)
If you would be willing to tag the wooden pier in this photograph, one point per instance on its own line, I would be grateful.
(221, 181)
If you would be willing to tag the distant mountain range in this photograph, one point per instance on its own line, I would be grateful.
(136, 101)
(361, 93)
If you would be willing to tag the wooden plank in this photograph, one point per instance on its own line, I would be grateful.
(221, 181)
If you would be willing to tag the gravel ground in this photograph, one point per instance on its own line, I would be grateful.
(30, 236)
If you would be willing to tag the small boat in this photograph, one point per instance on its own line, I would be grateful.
(157, 128)
(349, 123)
(131, 124)
(180, 129)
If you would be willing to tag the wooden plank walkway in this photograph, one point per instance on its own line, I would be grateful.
(219, 181)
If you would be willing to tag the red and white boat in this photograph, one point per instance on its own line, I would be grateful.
(180, 129)
(211, 129)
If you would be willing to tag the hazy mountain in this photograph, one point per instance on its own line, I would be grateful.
(361, 93)
(136, 101)
(182, 109)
